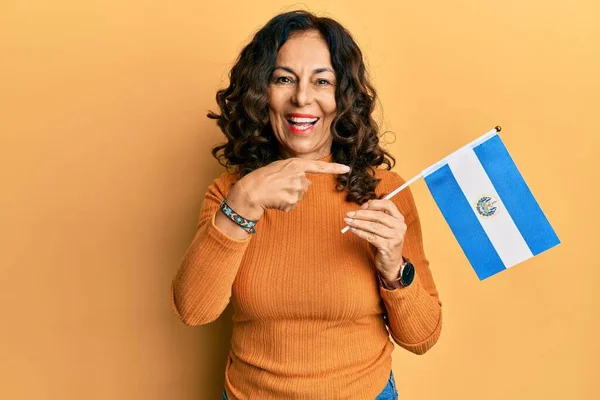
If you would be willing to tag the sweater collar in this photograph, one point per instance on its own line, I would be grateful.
(328, 158)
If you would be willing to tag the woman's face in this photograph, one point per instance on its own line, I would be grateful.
(302, 97)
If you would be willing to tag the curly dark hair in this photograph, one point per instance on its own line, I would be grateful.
(244, 105)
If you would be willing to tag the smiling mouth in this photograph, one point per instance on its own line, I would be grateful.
(301, 124)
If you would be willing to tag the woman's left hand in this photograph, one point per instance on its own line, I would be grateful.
(381, 224)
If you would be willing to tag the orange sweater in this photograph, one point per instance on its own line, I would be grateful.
(309, 315)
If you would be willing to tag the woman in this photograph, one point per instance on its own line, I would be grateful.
(312, 306)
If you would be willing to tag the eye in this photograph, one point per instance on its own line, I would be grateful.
(283, 79)
(323, 82)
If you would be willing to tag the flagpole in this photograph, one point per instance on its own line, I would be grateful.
(422, 173)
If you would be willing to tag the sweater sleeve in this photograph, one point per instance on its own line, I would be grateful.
(201, 288)
(414, 313)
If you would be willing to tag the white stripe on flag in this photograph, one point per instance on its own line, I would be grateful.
(500, 228)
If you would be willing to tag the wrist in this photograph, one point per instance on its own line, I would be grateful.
(394, 274)
(390, 277)
(398, 279)
(242, 201)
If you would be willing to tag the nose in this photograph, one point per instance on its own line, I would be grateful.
(302, 95)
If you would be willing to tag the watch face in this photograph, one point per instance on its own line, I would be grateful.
(408, 274)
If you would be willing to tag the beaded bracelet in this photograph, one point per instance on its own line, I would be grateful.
(244, 223)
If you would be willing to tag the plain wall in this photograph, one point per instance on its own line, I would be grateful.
(105, 158)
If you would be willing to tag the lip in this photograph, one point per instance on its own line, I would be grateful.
(294, 115)
(300, 132)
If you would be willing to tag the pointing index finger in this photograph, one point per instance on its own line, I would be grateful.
(324, 167)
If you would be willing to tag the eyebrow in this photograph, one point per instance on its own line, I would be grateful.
(315, 71)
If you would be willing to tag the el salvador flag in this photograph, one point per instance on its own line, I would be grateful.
(489, 207)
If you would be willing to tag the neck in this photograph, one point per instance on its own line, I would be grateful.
(326, 154)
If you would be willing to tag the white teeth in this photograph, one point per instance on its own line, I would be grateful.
(302, 120)
(303, 127)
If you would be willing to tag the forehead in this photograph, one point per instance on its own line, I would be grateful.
(304, 49)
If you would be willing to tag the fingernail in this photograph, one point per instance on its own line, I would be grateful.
(348, 220)
(345, 168)
(350, 213)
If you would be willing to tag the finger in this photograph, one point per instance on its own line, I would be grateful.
(300, 196)
(375, 216)
(373, 227)
(385, 205)
(323, 167)
(368, 236)
(305, 184)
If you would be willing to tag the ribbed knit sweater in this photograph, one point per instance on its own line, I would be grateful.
(310, 318)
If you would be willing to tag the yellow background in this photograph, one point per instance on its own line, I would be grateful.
(104, 156)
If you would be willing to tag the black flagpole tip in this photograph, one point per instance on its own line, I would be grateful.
(498, 128)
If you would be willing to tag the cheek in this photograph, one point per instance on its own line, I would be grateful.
(328, 105)
(276, 103)
(277, 99)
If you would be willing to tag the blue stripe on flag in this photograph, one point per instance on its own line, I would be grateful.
(464, 224)
(516, 196)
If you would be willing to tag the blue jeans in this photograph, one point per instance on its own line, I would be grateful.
(389, 392)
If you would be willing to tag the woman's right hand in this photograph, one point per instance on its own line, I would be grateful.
(282, 184)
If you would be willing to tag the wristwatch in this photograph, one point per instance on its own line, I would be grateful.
(407, 274)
